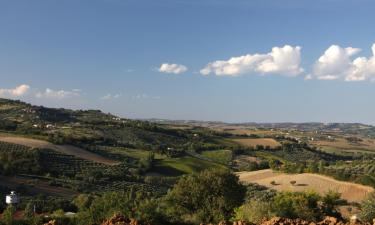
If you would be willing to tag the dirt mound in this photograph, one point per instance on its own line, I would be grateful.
(284, 221)
(121, 220)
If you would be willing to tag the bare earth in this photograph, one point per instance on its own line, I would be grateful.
(65, 149)
(350, 191)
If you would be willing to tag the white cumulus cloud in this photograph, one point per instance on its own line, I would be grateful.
(337, 63)
(110, 96)
(172, 68)
(146, 96)
(281, 60)
(15, 92)
(58, 94)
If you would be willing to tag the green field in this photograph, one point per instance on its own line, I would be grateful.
(220, 156)
(183, 165)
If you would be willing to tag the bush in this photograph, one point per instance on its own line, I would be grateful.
(254, 212)
(303, 205)
(368, 208)
(208, 197)
(7, 217)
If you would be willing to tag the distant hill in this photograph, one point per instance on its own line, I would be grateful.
(80, 127)
(347, 128)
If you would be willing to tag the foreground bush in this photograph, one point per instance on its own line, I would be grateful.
(302, 205)
(210, 196)
(368, 208)
(254, 212)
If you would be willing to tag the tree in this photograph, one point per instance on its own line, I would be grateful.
(208, 197)
(330, 202)
(302, 205)
(368, 208)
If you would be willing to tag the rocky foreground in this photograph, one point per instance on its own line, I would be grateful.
(121, 220)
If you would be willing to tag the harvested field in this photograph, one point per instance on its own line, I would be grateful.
(340, 144)
(65, 149)
(350, 191)
(253, 142)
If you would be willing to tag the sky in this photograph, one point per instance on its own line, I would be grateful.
(216, 60)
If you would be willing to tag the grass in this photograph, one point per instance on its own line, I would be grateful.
(183, 165)
(220, 156)
(253, 142)
(134, 153)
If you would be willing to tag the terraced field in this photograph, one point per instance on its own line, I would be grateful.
(65, 149)
(306, 181)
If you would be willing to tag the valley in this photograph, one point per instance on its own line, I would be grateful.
(56, 157)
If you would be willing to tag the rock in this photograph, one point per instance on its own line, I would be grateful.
(120, 220)
(51, 222)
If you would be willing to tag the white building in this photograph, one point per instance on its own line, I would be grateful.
(12, 198)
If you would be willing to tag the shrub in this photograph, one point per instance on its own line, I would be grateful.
(302, 205)
(368, 208)
(254, 211)
(210, 196)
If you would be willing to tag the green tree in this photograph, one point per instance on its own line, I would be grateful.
(330, 202)
(302, 205)
(209, 196)
(368, 208)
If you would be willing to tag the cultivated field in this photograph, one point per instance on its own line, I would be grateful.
(35, 187)
(341, 144)
(65, 149)
(321, 184)
(253, 142)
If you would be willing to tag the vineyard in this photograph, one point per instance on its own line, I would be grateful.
(5, 146)
(68, 165)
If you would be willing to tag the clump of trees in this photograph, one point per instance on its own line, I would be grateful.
(304, 205)
(368, 208)
(209, 197)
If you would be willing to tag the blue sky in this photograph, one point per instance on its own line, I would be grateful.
(227, 60)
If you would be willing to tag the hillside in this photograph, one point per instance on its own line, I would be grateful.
(85, 127)
(89, 151)
(56, 157)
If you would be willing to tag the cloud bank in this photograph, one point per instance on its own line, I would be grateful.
(15, 92)
(57, 94)
(110, 96)
(336, 64)
(281, 60)
(172, 68)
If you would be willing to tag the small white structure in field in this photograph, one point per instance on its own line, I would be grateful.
(12, 198)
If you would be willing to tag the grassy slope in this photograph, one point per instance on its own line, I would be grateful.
(183, 165)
